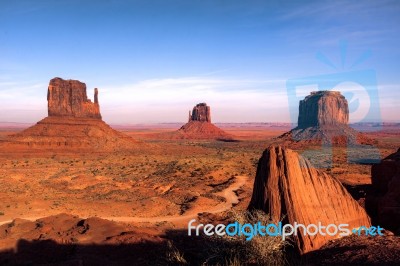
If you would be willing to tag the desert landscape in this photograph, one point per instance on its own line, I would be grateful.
(199, 132)
(79, 192)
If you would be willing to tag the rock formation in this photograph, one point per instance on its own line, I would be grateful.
(201, 112)
(68, 98)
(65, 239)
(199, 126)
(323, 118)
(323, 108)
(383, 201)
(288, 187)
(73, 122)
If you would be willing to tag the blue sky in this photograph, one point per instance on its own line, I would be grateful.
(154, 60)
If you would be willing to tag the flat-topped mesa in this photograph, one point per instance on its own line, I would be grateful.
(323, 108)
(68, 98)
(201, 112)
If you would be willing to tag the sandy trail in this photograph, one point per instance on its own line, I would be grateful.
(230, 199)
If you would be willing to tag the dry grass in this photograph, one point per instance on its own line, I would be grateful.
(261, 250)
(174, 256)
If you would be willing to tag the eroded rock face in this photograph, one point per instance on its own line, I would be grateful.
(68, 98)
(199, 126)
(287, 185)
(383, 201)
(323, 108)
(201, 112)
(73, 122)
(323, 119)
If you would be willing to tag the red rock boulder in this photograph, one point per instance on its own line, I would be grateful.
(288, 187)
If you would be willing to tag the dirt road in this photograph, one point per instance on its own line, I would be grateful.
(179, 220)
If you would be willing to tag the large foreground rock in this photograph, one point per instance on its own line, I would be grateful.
(288, 186)
(383, 201)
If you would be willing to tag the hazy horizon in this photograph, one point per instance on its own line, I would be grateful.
(152, 61)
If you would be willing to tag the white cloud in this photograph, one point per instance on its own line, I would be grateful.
(166, 100)
(169, 100)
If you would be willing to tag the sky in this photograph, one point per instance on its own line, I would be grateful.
(153, 60)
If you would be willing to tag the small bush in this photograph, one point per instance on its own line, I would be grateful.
(261, 250)
(174, 256)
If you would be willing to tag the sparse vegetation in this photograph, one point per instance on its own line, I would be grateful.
(261, 250)
(174, 256)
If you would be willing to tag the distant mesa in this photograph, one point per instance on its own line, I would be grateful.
(288, 187)
(199, 126)
(73, 121)
(383, 201)
(323, 118)
(323, 109)
(201, 112)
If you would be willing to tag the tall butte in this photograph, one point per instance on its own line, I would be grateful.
(67, 98)
(323, 118)
(199, 126)
(289, 188)
(73, 121)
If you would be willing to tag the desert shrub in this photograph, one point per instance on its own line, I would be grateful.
(261, 250)
(174, 256)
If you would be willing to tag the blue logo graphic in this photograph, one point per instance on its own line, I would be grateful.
(359, 88)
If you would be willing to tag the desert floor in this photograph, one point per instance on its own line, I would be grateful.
(164, 183)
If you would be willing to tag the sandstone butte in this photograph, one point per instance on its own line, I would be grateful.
(68, 98)
(288, 187)
(383, 201)
(323, 118)
(73, 122)
(199, 126)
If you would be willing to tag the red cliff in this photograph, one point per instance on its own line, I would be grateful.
(68, 98)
